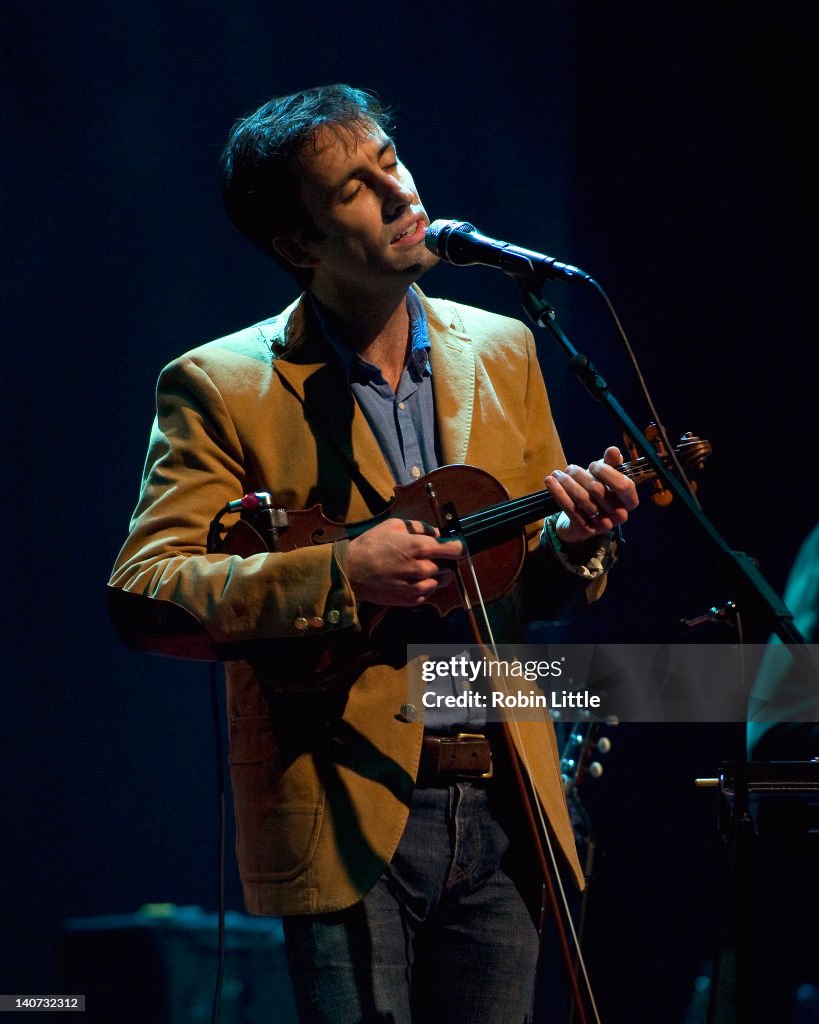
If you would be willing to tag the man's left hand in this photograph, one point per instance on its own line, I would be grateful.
(594, 500)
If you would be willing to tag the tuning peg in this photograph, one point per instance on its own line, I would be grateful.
(595, 769)
(604, 744)
(661, 497)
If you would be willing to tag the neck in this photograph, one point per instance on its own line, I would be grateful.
(376, 327)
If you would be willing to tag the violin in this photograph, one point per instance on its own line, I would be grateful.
(462, 501)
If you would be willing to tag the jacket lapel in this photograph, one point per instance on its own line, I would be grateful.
(309, 368)
(453, 379)
(307, 365)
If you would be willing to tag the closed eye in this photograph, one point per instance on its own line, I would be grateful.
(390, 154)
(391, 165)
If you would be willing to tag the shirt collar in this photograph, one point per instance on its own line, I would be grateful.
(419, 333)
(358, 369)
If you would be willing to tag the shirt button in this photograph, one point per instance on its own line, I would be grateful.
(301, 624)
(416, 471)
(334, 617)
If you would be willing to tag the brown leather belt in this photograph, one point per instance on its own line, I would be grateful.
(464, 757)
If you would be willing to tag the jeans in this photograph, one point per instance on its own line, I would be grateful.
(444, 935)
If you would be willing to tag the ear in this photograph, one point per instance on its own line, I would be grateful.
(294, 250)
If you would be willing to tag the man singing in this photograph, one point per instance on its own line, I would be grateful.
(400, 869)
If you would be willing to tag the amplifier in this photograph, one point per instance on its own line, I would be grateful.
(159, 966)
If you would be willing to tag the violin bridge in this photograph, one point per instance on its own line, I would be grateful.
(446, 515)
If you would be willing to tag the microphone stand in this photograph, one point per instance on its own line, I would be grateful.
(741, 569)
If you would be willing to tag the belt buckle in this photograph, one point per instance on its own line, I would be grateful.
(479, 736)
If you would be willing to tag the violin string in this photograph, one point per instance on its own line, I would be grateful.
(520, 509)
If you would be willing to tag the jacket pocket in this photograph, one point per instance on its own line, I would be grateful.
(278, 799)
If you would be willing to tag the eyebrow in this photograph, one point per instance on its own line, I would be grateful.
(354, 173)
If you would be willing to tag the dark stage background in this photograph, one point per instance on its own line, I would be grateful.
(660, 147)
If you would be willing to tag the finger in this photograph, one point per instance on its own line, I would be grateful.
(565, 493)
(612, 456)
(444, 577)
(596, 509)
(445, 547)
(586, 493)
(450, 549)
(418, 527)
(424, 589)
(620, 490)
(438, 548)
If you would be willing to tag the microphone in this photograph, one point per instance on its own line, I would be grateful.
(459, 242)
(251, 502)
(269, 520)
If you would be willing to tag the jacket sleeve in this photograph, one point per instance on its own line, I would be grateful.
(195, 465)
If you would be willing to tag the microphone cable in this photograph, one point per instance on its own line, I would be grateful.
(672, 454)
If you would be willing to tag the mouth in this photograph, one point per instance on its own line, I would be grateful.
(412, 232)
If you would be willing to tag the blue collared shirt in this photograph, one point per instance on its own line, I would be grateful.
(403, 422)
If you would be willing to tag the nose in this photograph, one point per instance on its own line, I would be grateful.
(397, 196)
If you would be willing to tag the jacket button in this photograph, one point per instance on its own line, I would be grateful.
(409, 712)
(301, 624)
(334, 617)
(316, 622)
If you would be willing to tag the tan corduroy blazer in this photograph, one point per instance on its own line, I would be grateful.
(322, 776)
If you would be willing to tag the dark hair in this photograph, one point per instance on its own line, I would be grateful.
(260, 181)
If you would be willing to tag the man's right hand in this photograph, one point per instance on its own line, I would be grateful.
(398, 564)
